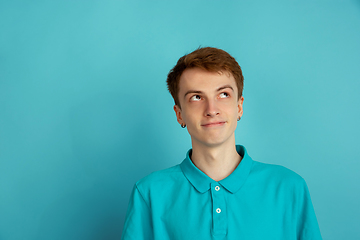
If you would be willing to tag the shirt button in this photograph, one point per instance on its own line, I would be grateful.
(217, 188)
(218, 210)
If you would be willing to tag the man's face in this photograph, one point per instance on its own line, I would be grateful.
(209, 106)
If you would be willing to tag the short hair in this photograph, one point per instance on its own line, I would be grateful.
(206, 58)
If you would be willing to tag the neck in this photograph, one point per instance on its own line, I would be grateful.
(217, 162)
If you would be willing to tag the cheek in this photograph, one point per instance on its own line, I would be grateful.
(186, 117)
(190, 120)
(192, 112)
(231, 107)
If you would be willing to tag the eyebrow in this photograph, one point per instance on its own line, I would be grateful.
(219, 89)
(224, 87)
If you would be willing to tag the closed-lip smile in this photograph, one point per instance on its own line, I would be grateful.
(213, 124)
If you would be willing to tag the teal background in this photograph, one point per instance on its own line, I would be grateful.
(84, 110)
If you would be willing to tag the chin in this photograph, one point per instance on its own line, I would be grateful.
(212, 142)
(211, 138)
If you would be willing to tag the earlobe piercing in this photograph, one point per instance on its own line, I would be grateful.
(183, 125)
(239, 118)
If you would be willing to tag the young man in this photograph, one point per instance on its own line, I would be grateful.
(218, 191)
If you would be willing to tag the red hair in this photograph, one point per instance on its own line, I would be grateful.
(209, 59)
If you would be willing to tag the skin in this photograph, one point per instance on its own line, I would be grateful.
(210, 107)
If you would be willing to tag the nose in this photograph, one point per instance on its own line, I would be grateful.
(212, 109)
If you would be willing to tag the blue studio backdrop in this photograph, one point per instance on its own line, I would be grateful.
(85, 113)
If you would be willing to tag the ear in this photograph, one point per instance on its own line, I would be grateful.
(240, 106)
(179, 118)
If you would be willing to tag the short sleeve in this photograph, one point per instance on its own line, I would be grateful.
(307, 225)
(138, 224)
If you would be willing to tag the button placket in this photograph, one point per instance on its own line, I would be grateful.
(219, 226)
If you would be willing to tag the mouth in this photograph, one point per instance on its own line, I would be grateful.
(213, 124)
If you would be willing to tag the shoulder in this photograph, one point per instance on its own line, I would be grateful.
(158, 178)
(277, 174)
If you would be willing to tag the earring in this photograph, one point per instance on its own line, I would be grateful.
(183, 125)
(239, 118)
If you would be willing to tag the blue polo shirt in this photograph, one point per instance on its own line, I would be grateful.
(256, 201)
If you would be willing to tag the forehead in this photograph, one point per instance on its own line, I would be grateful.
(202, 80)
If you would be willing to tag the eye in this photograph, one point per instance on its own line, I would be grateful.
(195, 98)
(224, 95)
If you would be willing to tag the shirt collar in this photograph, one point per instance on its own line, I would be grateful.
(232, 183)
